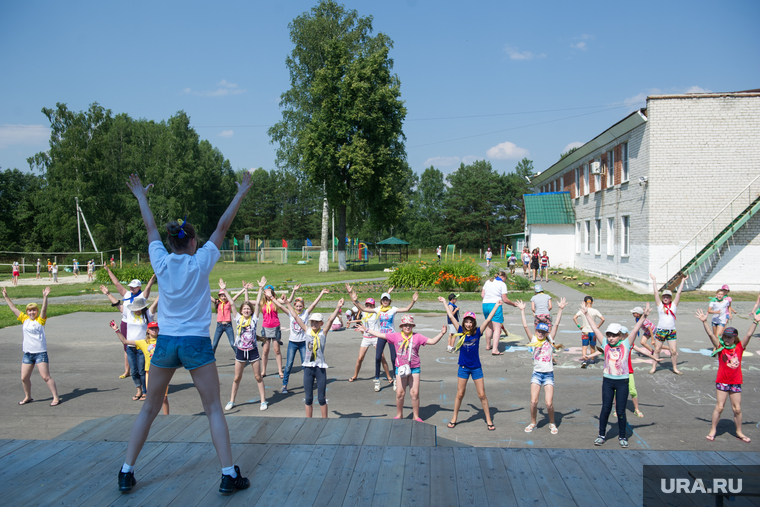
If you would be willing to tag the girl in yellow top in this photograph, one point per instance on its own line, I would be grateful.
(147, 346)
(34, 346)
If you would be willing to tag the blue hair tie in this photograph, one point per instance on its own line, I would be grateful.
(181, 223)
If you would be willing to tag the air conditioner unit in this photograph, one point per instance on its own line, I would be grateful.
(596, 167)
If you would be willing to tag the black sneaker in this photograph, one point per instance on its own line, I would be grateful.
(230, 484)
(126, 481)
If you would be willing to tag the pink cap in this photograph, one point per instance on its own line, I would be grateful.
(725, 287)
(470, 315)
(370, 301)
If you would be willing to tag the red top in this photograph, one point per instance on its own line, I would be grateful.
(630, 364)
(730, 365)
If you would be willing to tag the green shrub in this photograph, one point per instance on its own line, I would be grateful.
(518, 283)
(142, 272)
(420, 274)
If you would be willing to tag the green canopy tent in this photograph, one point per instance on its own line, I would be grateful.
(386, 250)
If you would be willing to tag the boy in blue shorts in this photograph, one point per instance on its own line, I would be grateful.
(588, 338)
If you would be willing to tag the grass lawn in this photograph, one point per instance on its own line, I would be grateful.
(8, 319)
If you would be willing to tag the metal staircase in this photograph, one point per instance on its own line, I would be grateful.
(709, 246)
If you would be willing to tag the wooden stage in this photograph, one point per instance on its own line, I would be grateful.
(348, 461)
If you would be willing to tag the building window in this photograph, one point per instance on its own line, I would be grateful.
(611, 168)
(585, 179)
(587, 243)
(578, 237)
(597, 237)
(624, 160)
(610, 236)
(625, 237)
(577, 182)
(597, 175)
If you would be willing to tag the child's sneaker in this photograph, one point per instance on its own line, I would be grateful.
(599, 440)
(377, 385)
(613, 415)
(449, 349)
(229, 406)
(230, 484)
(584, 364)
(264, 405)
(623, 442)
(284, 390)
(126, 481)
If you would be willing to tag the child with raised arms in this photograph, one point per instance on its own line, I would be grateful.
(718, 309)
(616, 378)
(270, 330)
(588, 338)
(369, 321)
(647, 330)
(34, 346)
(452, 323)
(667, 307)
(467, 344)
(224, 317)
(631, 382)
(408, 365)
(728, 382)
(542, 343)
(315, 367)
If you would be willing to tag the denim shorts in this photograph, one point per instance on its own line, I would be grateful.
(588, 339)
(34, 358)
(542, 378)
(498, 316)
(465, 373)
(189, 351)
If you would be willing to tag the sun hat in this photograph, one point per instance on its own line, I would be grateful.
(667, 293)
(385, 295)
(135, 283)
(542, 326)
(138, 304)
(316, 317)
(725, 287)
(152, 324)
(407, 320)
(638, 310)
(731, 331)
(614, 328)
(470, 315)
(538, 288)
(453, 296)
(369, 301)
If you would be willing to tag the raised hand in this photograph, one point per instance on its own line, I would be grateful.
(520, 304)
(654, 279)
(243, 186)
(348, 288)
(136, 187)
(113, 325)
(5, 292)
(45, 292)
(263, 281)
(444, 329)
(222, 284)
(340, 303)
(325, 291)
(104, 290)
(442, 299)
(562, 303)
(415, 297)
(297, 286)
(701, 315)
(391, 289)
(584, 310)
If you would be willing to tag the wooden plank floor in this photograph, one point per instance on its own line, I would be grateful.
(77, 472)
(261, 430)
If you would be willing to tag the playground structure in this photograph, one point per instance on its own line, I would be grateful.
(449, 254)
(386, 247)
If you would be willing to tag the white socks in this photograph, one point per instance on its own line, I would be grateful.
(229, 471)
(126, 468)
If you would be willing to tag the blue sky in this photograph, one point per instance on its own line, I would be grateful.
(484, 80)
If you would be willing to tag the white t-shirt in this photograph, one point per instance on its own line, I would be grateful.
(369, 320)
(245, 339)
(319, 362)
(492, 291)
(384, 322)
(137, 325)
(297, 334)
(722, 308)
(593, 313)
(34, 334)
(542, 357)
(183, 308)
(666, 321)
(489, 254)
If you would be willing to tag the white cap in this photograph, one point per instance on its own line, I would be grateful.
(316, 317)
(638, 310)
(614, 329)
(385, 295)
(135, 283)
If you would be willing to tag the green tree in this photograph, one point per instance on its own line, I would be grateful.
(18, 209)
(517, 185)
(342, 116)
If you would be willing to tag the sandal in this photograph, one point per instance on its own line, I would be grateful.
(490, 427)
(352, 379)
(24, 402)
(553, 428)
(745, 439)
(639, 413)
(136, 397)
(142, 398)
(55, 403)
(529, 428)
(418, 419)
(397, 417)
(124, 376)
(452, 424)
(497, 353)
(711, 438)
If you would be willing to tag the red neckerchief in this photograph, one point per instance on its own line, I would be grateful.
(666, 309)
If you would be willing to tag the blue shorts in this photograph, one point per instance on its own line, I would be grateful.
(465, 372)
(588, 339)
(542, 378)
(498, 316)
(34, 358)
(189, 351)
(415, 371)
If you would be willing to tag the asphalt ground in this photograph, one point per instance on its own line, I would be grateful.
(86, 360)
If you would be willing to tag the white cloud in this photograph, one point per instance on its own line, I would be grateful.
(23, 134)
(507, 150)
(515, 54)
(574, 144)
(579, 45)
(442, 161)
(697, 89)
(224, 88)
(469, 159)
(226, 133)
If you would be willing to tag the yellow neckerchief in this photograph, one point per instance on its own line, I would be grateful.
(384, 309)
(268, 306)
(407, 340)
(537, 342)
(460, 339)
(314, 344)
(243, 323)
(137, 316)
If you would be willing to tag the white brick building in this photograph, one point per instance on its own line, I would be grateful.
(655, 192)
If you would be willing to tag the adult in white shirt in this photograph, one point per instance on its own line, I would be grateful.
(184, 316)
(495, 293)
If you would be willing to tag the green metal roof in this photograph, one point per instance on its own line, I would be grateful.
(392, 241)
(549, 208)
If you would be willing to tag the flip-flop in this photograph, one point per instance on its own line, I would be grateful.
(451, 425)
(397, 417)
(553, 428)
(639, 413)
(490, 427)
(142, 398)
(745, 439)
(55, 403)
(418, 419)
(497, 354)
(136, 397)
(352, 379)
(24, 402)
(711, 438)
(124, 376)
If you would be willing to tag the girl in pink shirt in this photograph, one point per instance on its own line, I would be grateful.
(270, 330)
(407, 346)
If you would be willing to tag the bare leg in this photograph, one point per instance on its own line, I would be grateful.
(265, 356)
(489, 334)
(736, 404)
(259, 379)
(635, 404)
(535, 390)
(149, 411)
(239, 367)
(644, 343)
(400, 394)
(359, 360)
(674, 355)
(44, 369)
(26, 380)
(414, 391)
(309, 410)
(461, 388)
(496, 335)
(278, 356)
(549, 400)
(721, 396)
(323, 409)
(206, 380)
(656, 354)
(481, 388)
